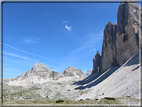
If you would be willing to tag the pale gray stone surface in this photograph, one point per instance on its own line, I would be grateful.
(88, 72)
(72, 71)
(40, 73)
(41, 70)
(56, 75)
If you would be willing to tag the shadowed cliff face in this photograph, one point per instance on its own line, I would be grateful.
(127, 36)
(109, 46)
(120, 41)
(96, 63)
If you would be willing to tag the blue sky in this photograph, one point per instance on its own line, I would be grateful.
(59, 35)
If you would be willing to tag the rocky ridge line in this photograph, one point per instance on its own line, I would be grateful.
(41, 72)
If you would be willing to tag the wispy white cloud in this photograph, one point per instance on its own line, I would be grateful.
(31, 40)
(68, 28)
(15, 55)
(31, 53)
(93, 49)
(25, 58)
(64, 21)
(89, 62)
(10, 69)
(10, 73)
(90, 42)
(73, 57)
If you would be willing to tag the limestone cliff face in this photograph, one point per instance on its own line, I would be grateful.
(127, 36)
(109, 46)
(121, 41)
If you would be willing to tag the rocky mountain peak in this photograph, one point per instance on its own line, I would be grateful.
(88, 72)
(109, 23)
(38, 67)
(41, 69)
(41, 73)
(72, 71)
(98, 53)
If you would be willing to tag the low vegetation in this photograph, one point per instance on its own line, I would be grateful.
(55, 95)
(59, 83)
(34, 88)
(74, 81)
(59, 101)
(109, 98)
(87, 98)
(81, 101)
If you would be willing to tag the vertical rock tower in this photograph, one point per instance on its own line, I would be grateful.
(96, 63)
(121, 41)
(127, 36)
(109, 46)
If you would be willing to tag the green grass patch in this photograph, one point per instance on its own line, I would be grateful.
(18, 87)
(74, 81)
(34, 101)
(109, 98)
(34, 88)
(87, 98)
(38, 100)
(59, 83)
(59, 101)
(128, 96)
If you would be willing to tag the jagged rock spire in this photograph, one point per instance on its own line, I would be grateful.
(121, 41)
(96, 63)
